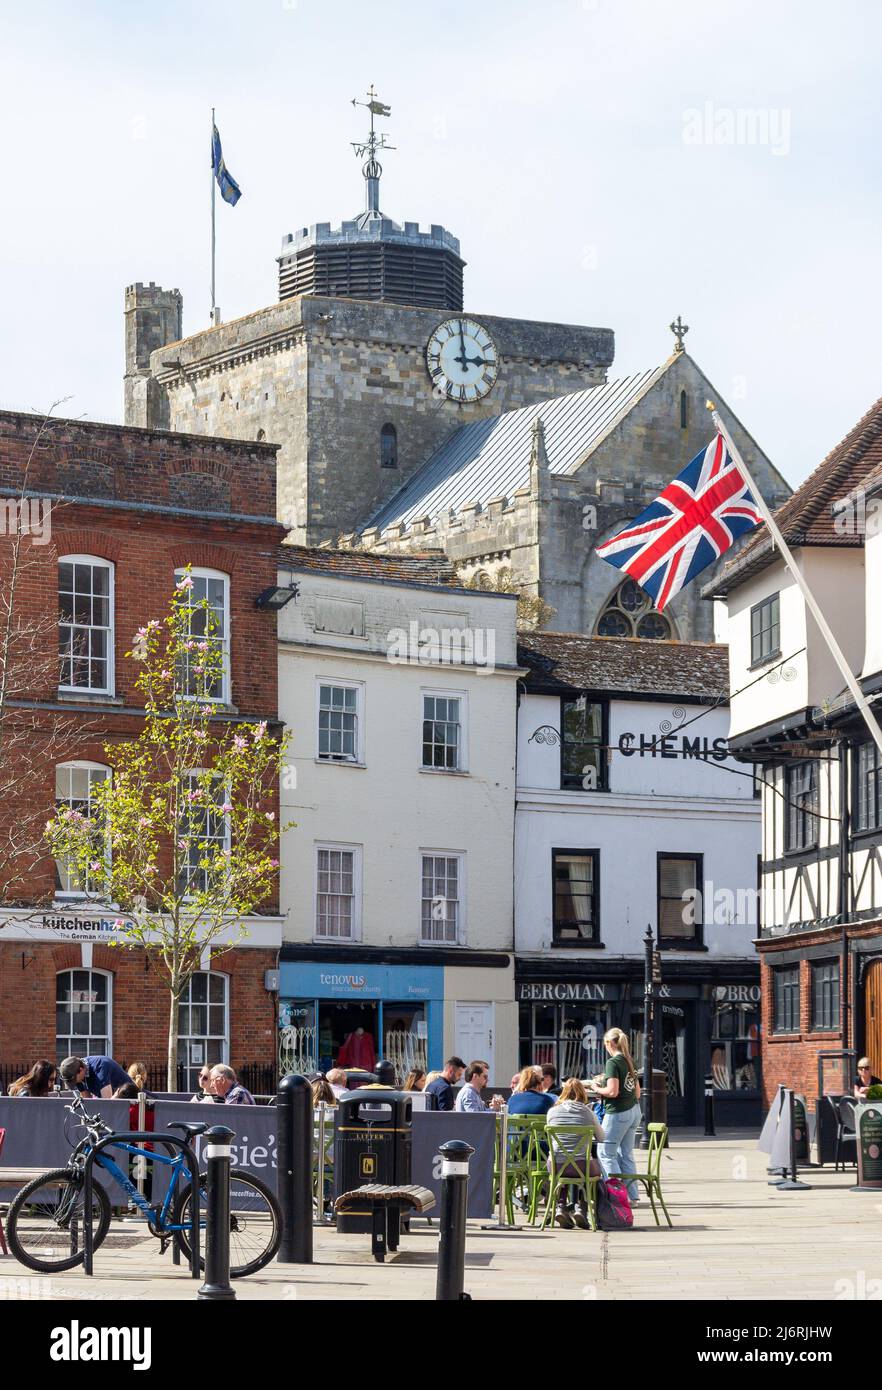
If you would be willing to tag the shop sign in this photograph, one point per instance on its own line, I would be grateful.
(564, 992)
(326, 980)
(673, 746)
(737, 994)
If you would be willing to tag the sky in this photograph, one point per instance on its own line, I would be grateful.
(604, 162)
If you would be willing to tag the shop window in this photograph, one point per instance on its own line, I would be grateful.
(209, 595)
(339, 731)
(443, 731)
(576, 884)
(338, 892)
(825, 996)
(734, 1043)
(83, 1001)
(583, 765)
(203, 1025)
(569, 1036)
(405, 1038)
(801, 798)
(85, 623)
(680, 886)
(785, 989)
(765, 630)
(442, 899)
(75, 788)
(868, 789)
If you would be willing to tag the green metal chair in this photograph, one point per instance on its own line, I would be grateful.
(651, 1179)
(525, 1170)
(570, 1170)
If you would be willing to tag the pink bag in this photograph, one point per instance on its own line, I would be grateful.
(613, 1208)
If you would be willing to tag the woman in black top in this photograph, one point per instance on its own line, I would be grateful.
(865, 1078)
(39, 1081)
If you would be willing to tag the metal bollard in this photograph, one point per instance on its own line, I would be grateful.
(709, 1127)
(295, 1169)
(455, 1155)
(216, 1148)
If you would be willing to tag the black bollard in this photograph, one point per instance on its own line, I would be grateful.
(216, 1149)
(455, 1155)
(385, 1074)
(294, 1105)
(709, 1127)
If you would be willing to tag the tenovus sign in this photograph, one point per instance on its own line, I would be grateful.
(328, 980)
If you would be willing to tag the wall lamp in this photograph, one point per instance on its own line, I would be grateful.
(276, 596)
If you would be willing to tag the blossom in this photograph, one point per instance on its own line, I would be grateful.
(119, 924)
(166, 675)
(95, 866)
(143, 822)
(260, 730)
(226, 808)
(185, 583)
(274, 863)
(239, 743)
(183, 844)
(270, 815)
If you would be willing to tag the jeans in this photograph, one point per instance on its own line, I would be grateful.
(616, 1153)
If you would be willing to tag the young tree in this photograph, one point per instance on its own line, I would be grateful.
(533, 612)
(183, 838)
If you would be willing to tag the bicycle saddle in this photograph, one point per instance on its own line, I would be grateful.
(188, 1128)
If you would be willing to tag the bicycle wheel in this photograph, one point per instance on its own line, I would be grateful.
(255, 1222)
(45, 1222)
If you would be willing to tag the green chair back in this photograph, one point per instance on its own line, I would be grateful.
(561, 1154)
(658, 1138)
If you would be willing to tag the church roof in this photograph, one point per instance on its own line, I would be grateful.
(807, 517)
(491, 458)
(625, 666)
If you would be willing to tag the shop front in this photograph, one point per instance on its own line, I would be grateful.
(338, 1014)
(707, 1023)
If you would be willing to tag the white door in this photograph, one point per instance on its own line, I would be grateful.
(474, 1034)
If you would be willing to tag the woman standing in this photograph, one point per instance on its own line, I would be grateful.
(621, 1092)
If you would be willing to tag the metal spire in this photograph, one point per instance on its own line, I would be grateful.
(372, 168)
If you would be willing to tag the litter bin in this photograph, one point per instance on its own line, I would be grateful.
(372, 1143)
(659, 1097)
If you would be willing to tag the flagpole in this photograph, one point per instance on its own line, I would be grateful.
(810, 601)
(213, 308)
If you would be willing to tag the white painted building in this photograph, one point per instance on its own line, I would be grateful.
(630, 814)
(791, 714)
(396, 885)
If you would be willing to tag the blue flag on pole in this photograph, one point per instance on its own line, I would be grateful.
(230, 190)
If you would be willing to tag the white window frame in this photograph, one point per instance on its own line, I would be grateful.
(438, 693)
(461, 925)
(223, 636)
(357, 879)
(196, 772)
(73, 764)
(96, 561)
(108, 975)
(358, 687)
(187, 1038)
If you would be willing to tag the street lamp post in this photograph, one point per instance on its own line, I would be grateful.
(648, 1032)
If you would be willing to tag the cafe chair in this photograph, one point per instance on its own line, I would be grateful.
(525, 1171)
(569, 1171)
(651, 1179)
(846, 1132)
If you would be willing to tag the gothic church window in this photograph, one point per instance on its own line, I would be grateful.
(684, 410)
(629, 613)
(388, 447)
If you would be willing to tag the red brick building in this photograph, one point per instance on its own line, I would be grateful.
(96, 519)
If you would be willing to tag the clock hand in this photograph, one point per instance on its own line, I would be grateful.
(462, 347)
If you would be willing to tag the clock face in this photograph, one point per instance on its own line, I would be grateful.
(462, 360)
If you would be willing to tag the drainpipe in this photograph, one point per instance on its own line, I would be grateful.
(844, 886)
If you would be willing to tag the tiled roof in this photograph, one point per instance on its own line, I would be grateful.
(491, 458)
(626, 665)
(426, 568)
(807, 517)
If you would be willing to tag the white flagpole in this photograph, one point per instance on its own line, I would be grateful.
(213, 308)
(810, 601)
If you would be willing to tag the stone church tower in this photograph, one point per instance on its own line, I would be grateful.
(405, 422)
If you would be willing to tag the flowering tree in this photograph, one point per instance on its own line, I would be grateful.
(182, 839)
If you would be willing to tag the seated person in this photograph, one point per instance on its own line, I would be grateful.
(865, 1078)
(529, 1098)
(573, 1109)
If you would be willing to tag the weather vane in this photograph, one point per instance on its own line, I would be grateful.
(372, 168)
(679, 330)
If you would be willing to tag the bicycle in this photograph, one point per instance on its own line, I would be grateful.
(45, 1220)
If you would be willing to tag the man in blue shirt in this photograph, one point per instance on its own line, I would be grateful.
(442, 1087)
(94, 1076)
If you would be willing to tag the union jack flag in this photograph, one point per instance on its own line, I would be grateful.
(688, 526)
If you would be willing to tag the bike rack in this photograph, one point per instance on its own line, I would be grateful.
(143, 1137)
